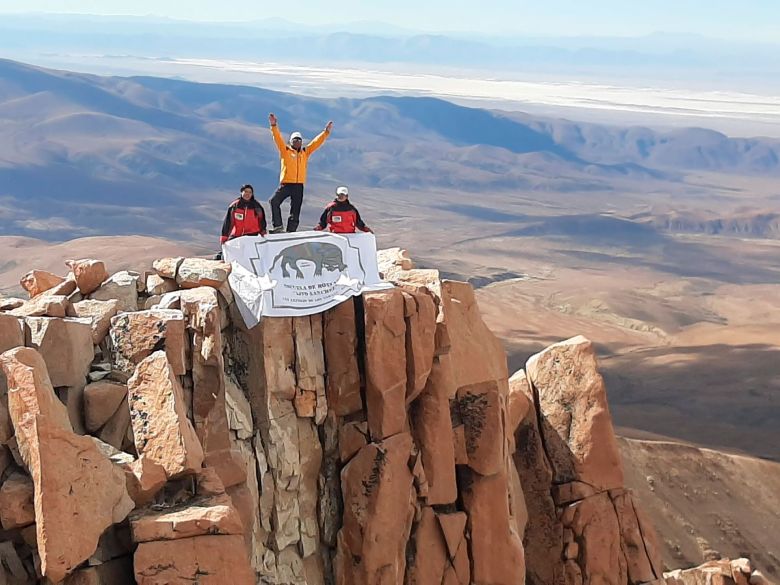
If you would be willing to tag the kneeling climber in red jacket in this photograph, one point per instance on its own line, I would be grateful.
(340, 216)
(244, 217)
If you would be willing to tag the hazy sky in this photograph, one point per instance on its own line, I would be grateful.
(735, 19)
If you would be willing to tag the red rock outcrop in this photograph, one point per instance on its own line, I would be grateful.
(70, 475)
(570, 468)
(381, 442)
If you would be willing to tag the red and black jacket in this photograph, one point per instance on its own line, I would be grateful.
(243, 218)
(341, 218)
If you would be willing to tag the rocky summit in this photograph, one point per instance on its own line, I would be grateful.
(147, 436)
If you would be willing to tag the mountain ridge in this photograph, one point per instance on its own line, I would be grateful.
(164, 146)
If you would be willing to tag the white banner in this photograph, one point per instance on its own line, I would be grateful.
(301, 273)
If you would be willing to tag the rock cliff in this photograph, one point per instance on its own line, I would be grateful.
(148, 437)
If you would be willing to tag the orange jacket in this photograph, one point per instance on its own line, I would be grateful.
(294, 161)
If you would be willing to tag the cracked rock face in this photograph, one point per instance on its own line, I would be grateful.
(381, 442)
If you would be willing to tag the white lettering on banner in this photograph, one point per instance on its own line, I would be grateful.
(303, 273)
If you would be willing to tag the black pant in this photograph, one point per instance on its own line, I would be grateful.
(295, 192)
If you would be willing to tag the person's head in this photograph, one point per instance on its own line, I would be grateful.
(342, 193)
(296, 140)
(247, 191)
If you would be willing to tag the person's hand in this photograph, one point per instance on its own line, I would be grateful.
(329, 127)
(369, 230)
(272, 119)
(317, 228)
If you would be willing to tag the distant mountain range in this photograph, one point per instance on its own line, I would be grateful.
(375, 42)
(82, 154)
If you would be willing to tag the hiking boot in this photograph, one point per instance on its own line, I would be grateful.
(276, 230)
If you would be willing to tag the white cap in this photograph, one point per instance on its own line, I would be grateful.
(295, 135)
(342, 191)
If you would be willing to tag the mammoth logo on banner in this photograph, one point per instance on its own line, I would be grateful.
(302, 273)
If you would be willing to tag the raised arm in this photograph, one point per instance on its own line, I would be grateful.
(278, 140)
(319, 139)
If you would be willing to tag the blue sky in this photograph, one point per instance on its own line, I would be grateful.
(757, 20)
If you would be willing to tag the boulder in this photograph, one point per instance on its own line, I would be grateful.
(66, 288)
(30, 393)
(65, 345)
(167, 267)
(115, 431)
(239, 411)
(16, 502)
(122, 287)
(162, 431)
(378, 510)
(212, 559)
(157, 285)
(37, 281)
(101, 401)
(577, 434)
(420, 317)
(11, 336)
(100, 314)
(43, 306)
(392, 261)
(135, 335)
(478, 406)
(200, 517)
(73, 479)
(385, 363)
(89, 274)
(144, 478)
(278, 353)
(195, 272)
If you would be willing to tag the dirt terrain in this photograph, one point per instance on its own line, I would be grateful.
(706, 503)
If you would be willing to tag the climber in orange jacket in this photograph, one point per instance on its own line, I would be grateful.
(340, 216)
(294, 160)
